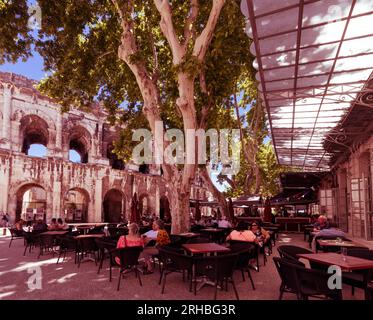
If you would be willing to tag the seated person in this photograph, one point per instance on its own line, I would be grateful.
(241, 233)
(262, 236)
(53, 225)
(161, 237)
(224, 223)
(61, 225)
(133, 239)
(328, 233)
(20, 224)
(322, 223)
(40, 225)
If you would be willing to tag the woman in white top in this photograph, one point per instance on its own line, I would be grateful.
(241, 233)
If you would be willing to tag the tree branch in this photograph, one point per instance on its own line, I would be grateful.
(189, 23)
(203, 40)
(167, 27)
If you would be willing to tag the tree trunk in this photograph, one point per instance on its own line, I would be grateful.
(219, 196)
(180, 208)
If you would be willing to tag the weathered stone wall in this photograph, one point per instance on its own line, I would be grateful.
(26, 114)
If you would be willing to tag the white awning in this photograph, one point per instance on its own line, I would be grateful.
(313, 58)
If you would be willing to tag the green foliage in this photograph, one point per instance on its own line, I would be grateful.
(15, 37)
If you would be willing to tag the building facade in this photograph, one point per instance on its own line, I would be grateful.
(98, 188)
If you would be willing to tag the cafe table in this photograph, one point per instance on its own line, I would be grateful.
(187, 236)
(335, 243)
(204, 248)
(346, 263)
(54, 233)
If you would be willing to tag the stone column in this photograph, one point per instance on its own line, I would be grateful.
(49, 206)
(58, 146)
(157, 201)
(7, 112)
(4, 185)
(97, 202)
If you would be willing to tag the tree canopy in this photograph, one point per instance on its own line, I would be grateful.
(181, 62)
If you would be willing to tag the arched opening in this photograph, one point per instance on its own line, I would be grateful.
(114, 161)
(34, 136)
(76, 205)
(164, 209)
(79, 145)
(144, 168)
(31, 202)
(144, 205)
(113, 206)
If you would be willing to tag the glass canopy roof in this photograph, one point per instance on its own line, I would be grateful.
(313, 57)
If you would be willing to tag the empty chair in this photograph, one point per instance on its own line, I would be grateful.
(314, 283)
(105, 246)
(67, 244)
(128, 257)
(218, 269)
(173, 261)
(287, 272)
(32, 239)
(356, 279)
(289, 251)
(46, 243)
(84, 247)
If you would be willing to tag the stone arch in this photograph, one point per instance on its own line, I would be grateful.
(80, 140)
(35, 206)
(19, 113)
(33, 130)
(114, 206)
(76, 203)
(144, 204)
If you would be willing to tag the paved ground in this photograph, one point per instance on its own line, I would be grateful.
(66, 281)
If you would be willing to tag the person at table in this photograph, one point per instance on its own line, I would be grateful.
(322, 223)
(40, 225)
(161, 237)
(241, 233)
(133, 239)
(261, 235)
(61, 225)
(53, 225)
(224, 223)
(20, 224)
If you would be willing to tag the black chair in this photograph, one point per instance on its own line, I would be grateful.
(15, 234)
(84, 247)
(287, 272)
(128, 261)
(105, 246)
(314, 283)
(32, 239)
(173, 261)
(67, 244)
(46, 243)
(219, 269)
(356, 279)
(290, 251)
(369, 291)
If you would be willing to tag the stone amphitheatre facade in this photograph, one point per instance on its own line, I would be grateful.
(99, 188)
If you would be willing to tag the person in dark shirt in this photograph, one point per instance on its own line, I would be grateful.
(40, 226)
